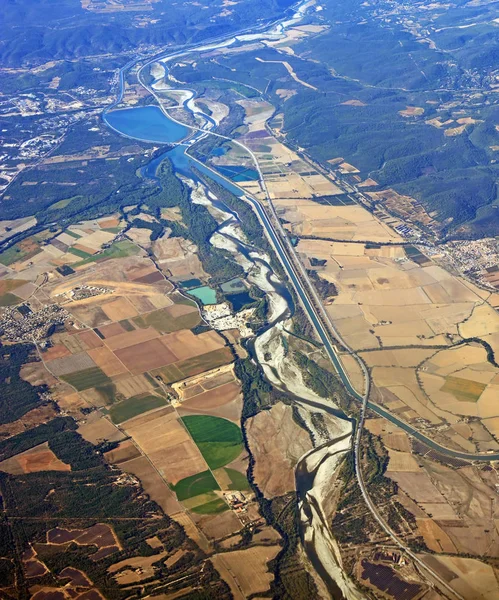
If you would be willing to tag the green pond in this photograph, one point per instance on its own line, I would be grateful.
(205, 294)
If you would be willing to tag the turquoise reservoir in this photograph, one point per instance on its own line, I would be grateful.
(205, 294)
(146, 123)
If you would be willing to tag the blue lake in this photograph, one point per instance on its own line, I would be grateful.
(239, 300)
(146, 123)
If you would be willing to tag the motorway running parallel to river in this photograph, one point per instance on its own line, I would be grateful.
(181, 156)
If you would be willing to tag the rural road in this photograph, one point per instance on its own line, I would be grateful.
(316, 313)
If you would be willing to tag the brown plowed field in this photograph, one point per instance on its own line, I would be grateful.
(146, 356)
(153, 484)
(90, 339)
(248, 567)
(111, 330)
(224, 401)
(107, 361)
(39, 458)
(167, 444)
(277, 442)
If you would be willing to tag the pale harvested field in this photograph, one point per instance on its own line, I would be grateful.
(417, 486)
(39, 458)
(435, 537)
(131, 338)
(167, 444)
(403, 384)
(90, 315)
(462, 381)
(390, 297)
(248, 568)
(72, 402)
(396, 358)
(178, 257)
(191, 530)
(402, 462)
(354, 371)
(472, 578)
(276, 442)
(97, 239)
(184, 344)
(119, 309)
(133, 385)
(135, 568)
(97, 428)
(142, 237)
(340, 222)
(440, 511)
(107, 361)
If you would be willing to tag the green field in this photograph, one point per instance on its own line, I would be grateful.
(463, 390)
(238, 481)
(127, 326)
(179, 299)
(131, 407)
(9, 299)
(168, 374)
(62, 203)
(163, 321)
(195, 485)
(117, 250)
(80, 253)
(88, 378)
(220, 441)
(211, 508)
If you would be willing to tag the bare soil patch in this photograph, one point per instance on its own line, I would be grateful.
(277, 442)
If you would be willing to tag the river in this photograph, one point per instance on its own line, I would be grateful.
(318, 467)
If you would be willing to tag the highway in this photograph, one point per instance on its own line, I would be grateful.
(322, 324)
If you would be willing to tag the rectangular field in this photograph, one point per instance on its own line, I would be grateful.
(146, 356)
(131, 407)
(82, 380)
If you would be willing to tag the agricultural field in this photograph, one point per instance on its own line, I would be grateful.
(219, 440)
(132, 407)
(155, 393)
(454, 504)
(412, 323)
